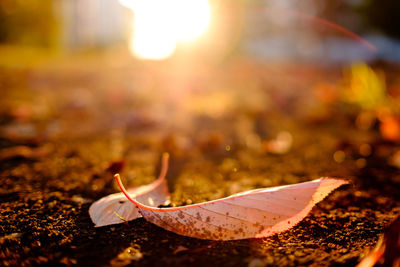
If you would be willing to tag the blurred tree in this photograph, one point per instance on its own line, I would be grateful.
(30, 23)
(383, 15)
(363, 15)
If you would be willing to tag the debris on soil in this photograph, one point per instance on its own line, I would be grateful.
(180, 249)
(130, 254)
(25, 152)
(280, 145)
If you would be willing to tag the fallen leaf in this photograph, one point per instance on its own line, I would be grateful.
(251, 214)
(115, 208)
(387, 250)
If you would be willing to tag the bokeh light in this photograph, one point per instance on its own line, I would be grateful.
(158, 26)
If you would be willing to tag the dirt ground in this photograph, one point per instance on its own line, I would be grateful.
(63, 125)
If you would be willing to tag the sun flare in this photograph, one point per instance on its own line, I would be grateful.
(159, 25)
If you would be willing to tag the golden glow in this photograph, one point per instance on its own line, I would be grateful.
(158, 25)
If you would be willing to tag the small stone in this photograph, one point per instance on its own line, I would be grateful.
(80, 200)
(257, 263)
(130, 254)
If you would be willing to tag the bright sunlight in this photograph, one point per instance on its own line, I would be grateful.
(159, 25)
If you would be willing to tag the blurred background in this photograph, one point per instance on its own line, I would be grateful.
(261, 29)
(181, 65)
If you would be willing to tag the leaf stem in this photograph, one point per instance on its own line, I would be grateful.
(121, 186)
(164, 165)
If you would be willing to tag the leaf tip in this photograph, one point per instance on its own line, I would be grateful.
(336, 181)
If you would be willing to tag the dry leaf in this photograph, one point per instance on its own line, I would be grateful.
(251, 214)
(115, 208)
(387, 250)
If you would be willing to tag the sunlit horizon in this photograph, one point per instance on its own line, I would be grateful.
(159, 25)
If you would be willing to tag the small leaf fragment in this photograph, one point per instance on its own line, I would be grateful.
(387, 250)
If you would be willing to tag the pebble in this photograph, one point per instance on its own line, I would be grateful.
(257, 263)
(130, 254)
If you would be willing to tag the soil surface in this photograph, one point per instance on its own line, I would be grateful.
(63, 124)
